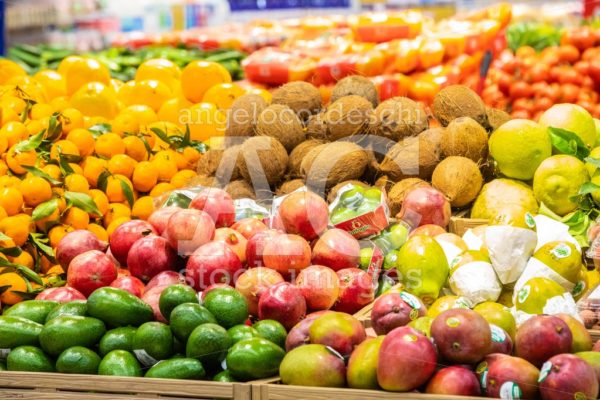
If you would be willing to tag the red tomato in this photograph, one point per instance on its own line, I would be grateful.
(504, 81)
(523, 104)
(594, 69)
(539, 72)
(582, 37)
(520, 89)
(587, 105)
(549, 56)
(569, 93)
(582, 67)
(525, 51)
(597, 111)
(555, 73)
(587, 82)
(568, 53)
(569, 75)
(540, 89)
(521, 114)
(542, 104)
(555, 92)
(590, 53)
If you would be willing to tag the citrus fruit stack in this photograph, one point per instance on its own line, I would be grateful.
(80, 150)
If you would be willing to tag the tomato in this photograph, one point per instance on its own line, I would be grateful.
(569, 93)
(590, 53)
(539, 72)
(540, 89)
(594, 69)
(523, 104)
(525, 51)
(582, 67)
(549, 56)
(543, 103)
(521, 114)
(568, 53)
(581, 38)
(587, 82)
(504, 81)
(597, 111)
(555, 73)
(520, 89)
(510, 66)
(569, 75)
(589, 106)
(554, 92)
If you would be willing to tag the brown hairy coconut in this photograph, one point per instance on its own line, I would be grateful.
(384, 182)
(296, 156)
(399, 117)
(329, 164)
(263, 157)
(347, 116)
(243, 115)
(466, 138)
(430, 151)
(396, 195)
(302, 97)
(316, 128)
(203, 180)
(288, 187)
(458, 101)
(229, 166)
(496, 118)
(209, 162)
(459, 179)
(355, 85)
(280, 122)
(240, 189)
(336, 188)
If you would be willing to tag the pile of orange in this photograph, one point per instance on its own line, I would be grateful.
(80, 150)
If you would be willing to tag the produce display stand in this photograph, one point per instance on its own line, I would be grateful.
(55, 386)
(459, 225)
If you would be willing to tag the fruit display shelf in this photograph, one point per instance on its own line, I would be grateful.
(54, 386)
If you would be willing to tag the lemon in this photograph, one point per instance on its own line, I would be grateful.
(561, 256)
(573, 118)
(596, 194)
(597, 124)
(497, 314)
(591, 169)
(505, 200)
(519, 146)
(557, 181)
(532, 297)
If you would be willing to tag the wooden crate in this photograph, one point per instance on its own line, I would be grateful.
(54, 386)
(274, 390)
(459, 225)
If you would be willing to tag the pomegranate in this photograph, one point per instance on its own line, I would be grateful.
(126, 235)
(282, 302)
(189, 229)
(249, 227)
(149, 256)
(255, 247)
(212, 263)
(75, 243)
(159, 218)
(152, 298)
(166, 278)
(63, 294)
(425, 205)
(320, 287)
(90, 271)
(253, 283)
(287, 254)
(218, 204)
(234, 240)
(305, 214)
(130, 284)
(336, 249)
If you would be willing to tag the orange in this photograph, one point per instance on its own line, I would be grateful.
(159, 69)
(205, 120)
(100, 199)
(121, 164)
(14, 103)
(59, 194)
(14, 132)
(95, 99)
(223, 95)
(115, 211)
(99, 231)
(109, 144)
(60, 103)
(88, 122)
(8, 70)
(151, 93)
(55, 270)
(76, 218)
(171, 110)
(53, 171)
(3, 167)
(115, 224)
(179, 160)
(135, 148)
(71, 118)
(83, 139)
(192, 156)
(24, 259)
(10, 181)
(76, 168)
(3, 144)
(34, 127)
(17, 159)
(16, 283)
(143, 207)
(77, 183)
(199, 76)
(161, 188)
(46, 223)
(8, 115)
(17, 228)
(79, 71)
(40, 110)
(93, 167)
(11, 200)
(181, 178)
(3, 213)
(145, 176)
(125, 123)
(63, 147)
(53, 82)
(114, 190)
(35, 190)
(57, 233)
(165, 164)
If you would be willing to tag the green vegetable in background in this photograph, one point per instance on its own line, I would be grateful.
(535, 34)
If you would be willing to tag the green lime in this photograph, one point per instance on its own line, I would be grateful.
(175, 295)
(120, 363)
(78, 360)
(271, 330)
(228, 306)
(519, 146)
(209, 344)
(186, 317)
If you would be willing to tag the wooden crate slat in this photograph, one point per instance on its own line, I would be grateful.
(6, 394)
(459, 225)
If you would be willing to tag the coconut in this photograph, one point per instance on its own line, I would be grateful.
(302, 97)
(243, 114)
(399, 117)
(458, 101)
(355, 85)
(329, 164)
(209, 162)
(396, 195)
(316, 128)
(430, 151)
(263, 157)
(384, 183)
(203, 180)
(240, 189)
(288, 187)
(347, 116)
(334, 190)
(459, 179)
(280, 122)
(496, 118)
(296, 156)
(229, 165)
(466, 138)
